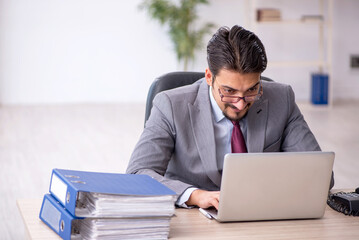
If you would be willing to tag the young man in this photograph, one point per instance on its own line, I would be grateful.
(191, 128)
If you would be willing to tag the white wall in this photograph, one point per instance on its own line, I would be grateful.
(65, 51)
(55, 51)
(300, 42)
(345, 43)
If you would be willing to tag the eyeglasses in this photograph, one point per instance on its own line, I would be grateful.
(248, 98)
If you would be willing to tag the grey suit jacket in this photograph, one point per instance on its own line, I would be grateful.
(177, 146)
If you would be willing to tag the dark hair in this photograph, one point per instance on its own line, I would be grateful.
(236, 49)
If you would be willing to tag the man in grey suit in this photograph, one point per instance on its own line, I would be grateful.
(189, 130)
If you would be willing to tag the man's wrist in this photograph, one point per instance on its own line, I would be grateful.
(181, 201)
(192, 200)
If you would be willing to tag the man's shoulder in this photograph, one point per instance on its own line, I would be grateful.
(174, 103)
(274, 85)
(272, 89)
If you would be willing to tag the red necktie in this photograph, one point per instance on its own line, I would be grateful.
(237, 141)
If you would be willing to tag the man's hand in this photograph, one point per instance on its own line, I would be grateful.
(204, 199)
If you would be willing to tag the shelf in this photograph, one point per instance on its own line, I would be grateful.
(293, 21)
(322, 19)
(297, 63)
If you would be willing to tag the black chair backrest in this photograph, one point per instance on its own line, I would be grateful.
(173, 80)
(169, 81)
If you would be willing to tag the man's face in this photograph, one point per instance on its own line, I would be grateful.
(234, 84)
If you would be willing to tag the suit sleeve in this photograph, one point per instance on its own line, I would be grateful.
(297, 135)
(156, 145)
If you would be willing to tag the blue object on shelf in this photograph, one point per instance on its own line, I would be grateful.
(320, 88)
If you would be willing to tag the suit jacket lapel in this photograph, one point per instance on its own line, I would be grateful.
(256, 122)
(202, 127)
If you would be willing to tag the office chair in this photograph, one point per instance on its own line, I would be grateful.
(173, 80)
(169, 81)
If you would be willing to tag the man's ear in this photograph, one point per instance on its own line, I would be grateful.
(208, 75)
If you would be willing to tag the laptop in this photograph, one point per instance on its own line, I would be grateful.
(273, 186)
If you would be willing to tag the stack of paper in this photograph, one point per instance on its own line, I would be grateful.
(152, 228)
(110, 205)
(89, 205)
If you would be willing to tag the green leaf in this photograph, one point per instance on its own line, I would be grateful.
(180, 19)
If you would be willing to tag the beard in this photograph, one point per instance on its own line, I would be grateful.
(237, 115)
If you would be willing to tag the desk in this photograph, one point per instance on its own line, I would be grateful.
(191, 224)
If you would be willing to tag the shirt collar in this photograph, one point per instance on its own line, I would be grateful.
(217, 112)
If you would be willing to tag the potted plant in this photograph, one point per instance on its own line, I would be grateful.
(180, 19)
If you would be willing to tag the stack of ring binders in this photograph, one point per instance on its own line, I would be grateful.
(91, 205)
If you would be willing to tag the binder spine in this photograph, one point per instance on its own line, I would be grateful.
(56, 217)
(63, 191)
